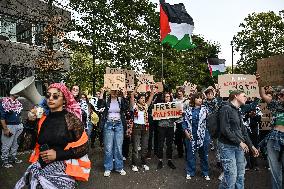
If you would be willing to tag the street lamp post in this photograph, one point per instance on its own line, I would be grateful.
(232, 56)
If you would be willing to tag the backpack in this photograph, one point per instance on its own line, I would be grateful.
(213, 123)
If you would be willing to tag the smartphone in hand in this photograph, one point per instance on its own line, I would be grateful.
(43, 148)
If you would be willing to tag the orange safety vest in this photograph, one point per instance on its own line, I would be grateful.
(77, 168)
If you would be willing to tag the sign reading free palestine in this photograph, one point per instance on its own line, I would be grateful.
(167, 110)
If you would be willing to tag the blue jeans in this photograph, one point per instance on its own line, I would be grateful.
(113, 139)
(203, 155)
(276, 157)
(234, 163)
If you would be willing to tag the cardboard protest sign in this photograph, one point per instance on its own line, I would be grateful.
(129, 76)
(114, 81)
(189, 88)
(144, 82)
(159, 87)
(114, 71)
(266, 117)
(231, 82)
(129, 80)
(271, 70)
(167, 110)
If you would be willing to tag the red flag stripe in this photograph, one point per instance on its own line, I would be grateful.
(164, 24)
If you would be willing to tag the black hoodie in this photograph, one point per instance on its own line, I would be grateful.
(233, 131)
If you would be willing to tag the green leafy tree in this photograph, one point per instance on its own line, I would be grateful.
(261, 36)
(119, 31)
(180, 66)
(81, 71)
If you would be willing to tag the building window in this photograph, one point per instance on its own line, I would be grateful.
(15, 30)
(39, 29)
(24, 32)
(8, 28)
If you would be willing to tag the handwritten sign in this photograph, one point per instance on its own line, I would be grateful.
(231, 82)
(271, 70)
(129, 76)
(189, 88)
(167, 110)
(114, 70)
(114, 81)
(144, 82)
(266, 117)
(159, 87)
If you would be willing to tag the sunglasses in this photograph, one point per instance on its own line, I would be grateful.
(54, 96)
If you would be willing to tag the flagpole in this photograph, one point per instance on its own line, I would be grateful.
(162, 63)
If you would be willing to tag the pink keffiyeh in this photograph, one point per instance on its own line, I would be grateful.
(71, 105)
(9, 104)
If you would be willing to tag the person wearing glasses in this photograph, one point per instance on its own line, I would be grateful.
(10, 110)
(275, 139)
(60, 155)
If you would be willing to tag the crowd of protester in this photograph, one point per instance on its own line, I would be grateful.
(122, 123)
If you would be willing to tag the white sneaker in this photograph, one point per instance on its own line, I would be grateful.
(124, 158)
(221, 176)
(188, 177)
(146, 167)
(207, 178)
(134, 168)
(7, 165)
(139, 148)
(107, 173)
(122, 172)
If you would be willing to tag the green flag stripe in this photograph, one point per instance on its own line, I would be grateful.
(183, 44)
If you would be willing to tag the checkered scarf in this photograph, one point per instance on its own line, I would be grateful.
(12, 105)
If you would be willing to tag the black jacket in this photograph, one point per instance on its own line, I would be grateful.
(233, 131)
(123, 105)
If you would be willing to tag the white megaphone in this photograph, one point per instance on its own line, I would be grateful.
(26, 88)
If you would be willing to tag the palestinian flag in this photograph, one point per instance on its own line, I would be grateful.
(176, 26)
(216, 66)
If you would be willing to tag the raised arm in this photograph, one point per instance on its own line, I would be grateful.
(262, 93)
(151, 96)
(132, 100)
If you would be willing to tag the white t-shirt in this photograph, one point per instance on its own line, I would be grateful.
(140, 119)
(114, 110)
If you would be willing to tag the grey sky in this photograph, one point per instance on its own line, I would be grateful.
(218, 20)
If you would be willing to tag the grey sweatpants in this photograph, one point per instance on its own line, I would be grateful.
(10, 144)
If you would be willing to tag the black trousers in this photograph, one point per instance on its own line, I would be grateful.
(125, 146)
(153, 136)
(179, 139)
(252, 161)
(165, 133)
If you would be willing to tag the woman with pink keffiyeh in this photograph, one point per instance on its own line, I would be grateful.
(61, 138)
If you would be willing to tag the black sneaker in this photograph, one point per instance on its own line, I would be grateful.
(171, 165)
(160, 165)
